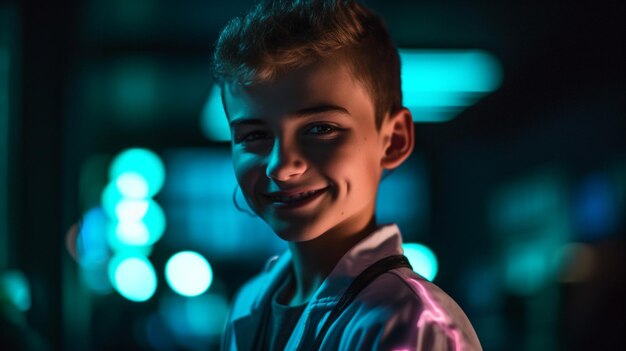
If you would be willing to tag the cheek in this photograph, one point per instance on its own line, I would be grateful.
(330, 154)
(247, 170)
(348, 157)
(331, 165)
(348, 167)
(355, 168)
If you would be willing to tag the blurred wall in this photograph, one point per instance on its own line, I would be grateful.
(520, 195)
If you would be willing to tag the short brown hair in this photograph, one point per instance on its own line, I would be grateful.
(277, 36)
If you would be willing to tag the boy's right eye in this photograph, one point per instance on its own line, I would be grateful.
(250, 136)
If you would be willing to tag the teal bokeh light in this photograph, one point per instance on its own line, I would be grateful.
(122, 240)
(155, 222)
(130, 165)
(193, 322)
(134, 89)
(422, 259)
(530, 224)
(133, 276)
(93, 250)
(145, 230)
(132, 233)
(438, 84)
(132, 185)
(136, 223)
(111, 196)
(14, 286)
(136, 220)
(213, 122)
(188, 273)
(127, 210)
(528, 267)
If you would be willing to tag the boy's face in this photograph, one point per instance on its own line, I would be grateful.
(306, 151)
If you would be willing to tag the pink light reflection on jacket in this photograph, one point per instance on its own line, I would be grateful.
(434, 314)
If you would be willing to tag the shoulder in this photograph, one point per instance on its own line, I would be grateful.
(400, 309)
(252, 291)
(402, 287)
(247, 299)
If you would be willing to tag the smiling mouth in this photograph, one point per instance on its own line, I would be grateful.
(294, 200)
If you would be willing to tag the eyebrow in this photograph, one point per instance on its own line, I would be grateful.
(305, 112)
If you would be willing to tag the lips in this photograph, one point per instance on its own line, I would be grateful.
(294, 198)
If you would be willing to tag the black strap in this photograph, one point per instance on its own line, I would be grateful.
(359, 283)
(260, 338)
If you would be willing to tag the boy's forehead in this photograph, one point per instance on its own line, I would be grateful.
(329, 83)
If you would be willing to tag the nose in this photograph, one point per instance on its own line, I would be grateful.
(285, 162)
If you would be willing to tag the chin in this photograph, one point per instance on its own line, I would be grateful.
(296, 233)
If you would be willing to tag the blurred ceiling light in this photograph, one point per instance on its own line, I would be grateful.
(437, 85)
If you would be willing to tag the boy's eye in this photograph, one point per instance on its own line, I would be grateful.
(321, 129)
(250, 136)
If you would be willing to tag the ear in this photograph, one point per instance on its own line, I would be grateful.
(399, 138)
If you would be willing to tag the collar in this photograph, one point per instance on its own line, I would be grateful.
(381, 243)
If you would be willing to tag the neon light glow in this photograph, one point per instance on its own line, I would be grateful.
(134, 88)
(190, 323)
(125, 239)
(132, 232)
(155, 222)
(91, 240)
(422, 259)
(132, 185)
(439, 84)
(596, 207)
(135, 222)
(111, 196)
(213, 122)
(529, 219)
(14, 286)
(528, 266)
(131, 164)
(433, 313)
(139, 222)
(131, 210)
(133, 277)
(188, 273)
(93, 250)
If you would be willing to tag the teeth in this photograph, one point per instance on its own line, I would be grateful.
(293, 198)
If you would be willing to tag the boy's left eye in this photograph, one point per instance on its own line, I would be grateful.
(321, 129)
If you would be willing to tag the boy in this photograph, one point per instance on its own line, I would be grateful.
(312, 94)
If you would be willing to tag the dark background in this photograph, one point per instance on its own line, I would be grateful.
(556, 121)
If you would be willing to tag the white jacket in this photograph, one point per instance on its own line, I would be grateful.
(399, 310)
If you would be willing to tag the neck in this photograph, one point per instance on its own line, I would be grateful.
(313, 260)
